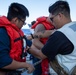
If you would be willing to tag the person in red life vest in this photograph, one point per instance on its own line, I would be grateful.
(12, 40)
(42, 23)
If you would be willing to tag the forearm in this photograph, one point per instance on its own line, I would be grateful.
(36, 52)
(37, 43)
(44, 34)
(16, 65)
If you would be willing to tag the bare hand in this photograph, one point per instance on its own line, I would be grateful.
(29, 37)
(30, 68)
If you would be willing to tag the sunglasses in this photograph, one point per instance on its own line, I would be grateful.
(24, 23)
(52, 18)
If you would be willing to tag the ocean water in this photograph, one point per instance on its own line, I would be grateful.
(26, 31)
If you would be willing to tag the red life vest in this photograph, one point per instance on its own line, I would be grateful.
(48, 26)
(14, 33)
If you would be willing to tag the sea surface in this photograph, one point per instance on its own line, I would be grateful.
(26, 31)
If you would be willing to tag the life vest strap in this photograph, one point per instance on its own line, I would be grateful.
(57, 68)
(17, 39)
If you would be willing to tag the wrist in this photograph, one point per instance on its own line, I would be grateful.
(28, 50)
(35, 36)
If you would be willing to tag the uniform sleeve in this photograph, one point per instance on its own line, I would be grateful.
(57, 43)
(29, 42)
(4, 48)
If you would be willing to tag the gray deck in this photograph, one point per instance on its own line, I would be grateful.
(25, 73)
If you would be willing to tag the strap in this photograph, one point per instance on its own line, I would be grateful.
(32, 36)
(17, 39)
(73, 71)
(57, 68)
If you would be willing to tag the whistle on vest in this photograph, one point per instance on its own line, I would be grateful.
(24, 54)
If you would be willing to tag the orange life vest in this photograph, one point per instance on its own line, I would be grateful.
(15, 35)
(48, 26)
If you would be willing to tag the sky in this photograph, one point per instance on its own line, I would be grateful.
(36, 8)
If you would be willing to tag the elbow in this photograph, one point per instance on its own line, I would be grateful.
(42, 56)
